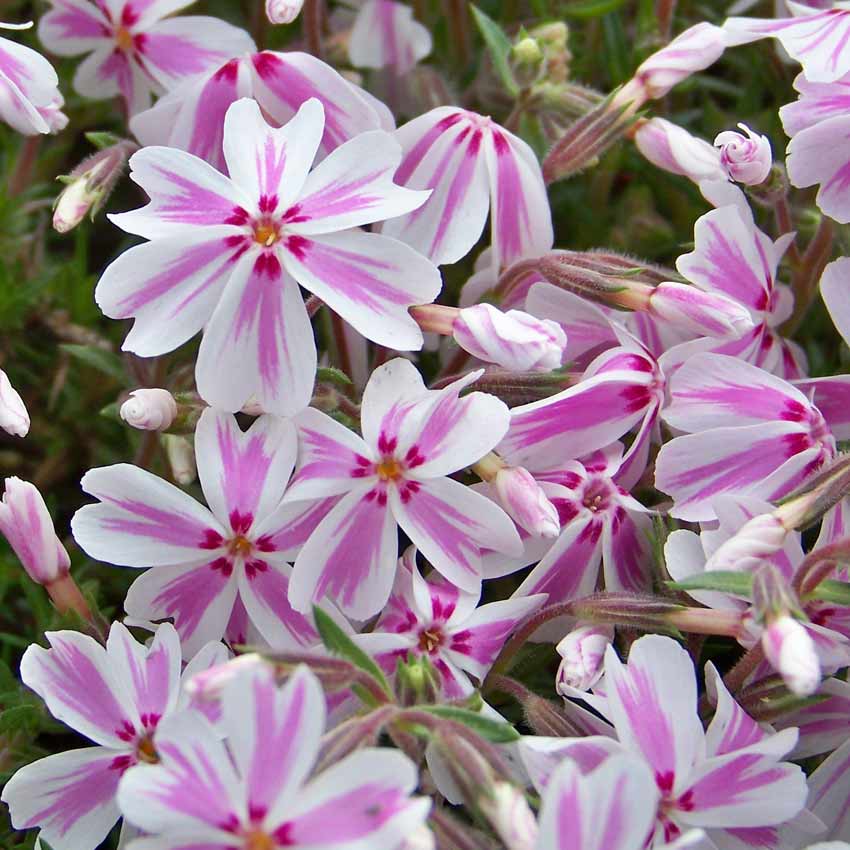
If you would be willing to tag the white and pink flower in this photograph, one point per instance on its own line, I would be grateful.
(227, 255)
(386, 35)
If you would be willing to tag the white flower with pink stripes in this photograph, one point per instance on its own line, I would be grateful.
(431, 618)
(397, 473)
(256, 791)
(215, 571)
(116, 697)
(728, 779)
(386, 35)
(475, 168)
(135, 49)
(227, 255)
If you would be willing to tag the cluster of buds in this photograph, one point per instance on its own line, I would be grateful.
(617, 282)
(91, 182)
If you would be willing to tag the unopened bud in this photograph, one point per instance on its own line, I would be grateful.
(745, 159)
(703, 313)
(772, 596)
(149, 409)
(756, 540)
(509, 814)
(26, 524)
(674, 149)
(516, 341)
(790, 650)
(283, 11)
(524, 501)
(14, 418)
(582, 654)
(417, 681)
(181, 458)
(526, 59)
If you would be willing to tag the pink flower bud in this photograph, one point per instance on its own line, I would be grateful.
(149, 409)
(704, 313)
(515, 340)
(525, 502)
(694, 50)
(508, 812)
(14, 418)
(756, 540)
(26, 524)
(582, 654)
(790, 650)
(746, 159)
(283, 11)
(674, 149)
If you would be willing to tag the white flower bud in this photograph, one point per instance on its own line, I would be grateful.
(756, 540)
(674, 149)
(515, 340)
(745, 159)
(508, 812)
(149, 409)
(689, 308)
(72, 205)
(26, 524)
(181, 458)
(283, 11)
(525, 502)
(790, 650)
(582, 654)
(14, 418)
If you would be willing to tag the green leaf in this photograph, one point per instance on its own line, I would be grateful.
(491, 730)
(722, 581)
(107, 362)
(102, 140)
(331, 375)
(837, 592)
(20, 718)
(591, 8)
(339, 643)
(498, 46)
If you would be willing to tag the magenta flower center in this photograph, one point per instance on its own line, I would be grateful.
(266, 232)
(597, 496)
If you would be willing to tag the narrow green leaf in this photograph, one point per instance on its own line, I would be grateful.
(837, 592)
(331, 375)
(491, 730)
(107, 362)
(339, 643)
(498, 46)
(723, 581)
(102, 140)
(591, 8)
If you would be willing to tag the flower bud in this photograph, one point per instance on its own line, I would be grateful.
(149, 409)
(756, 540)
(674, 149)
(417, 681)
(745, 159)
(181, 458)
(704, 313)
(516, 341)
(509, 814)
(790, 650)
(207, 685)
(14, 418)
(526, 59)
(26, 524)
(283, 11)
(524, 501)
(582, 654)
(693, 50)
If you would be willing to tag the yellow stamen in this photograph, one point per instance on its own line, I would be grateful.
(265, 234)
(429, 640)
(388, 469)
(259, 840)
(124, 38)
(146, 751)
(240, 545)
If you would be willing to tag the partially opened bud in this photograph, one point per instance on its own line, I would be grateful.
(755, 540)
(509, 814)
(704, 313)
(790, 650)
(525, 502)
(149, 409)
(674, 149)
(14, 418)
(515, 340)
(745, 159)
(26, 524)
(181, 458)
(582, 654)
(283, 11)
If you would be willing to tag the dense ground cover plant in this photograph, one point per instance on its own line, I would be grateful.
(424, 425)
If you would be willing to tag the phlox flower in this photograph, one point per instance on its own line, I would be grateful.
(815, 103)
(255, 790)
(134, 48)
(747, 432)
(226, 254)
(116, 697)
(728, 779)
(397, 473)
(29, 89)
(475, 168)
(217, 569)
(386, 35)
(431, 618)
(191, 116)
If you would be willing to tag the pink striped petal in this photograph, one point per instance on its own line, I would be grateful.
(286, 529)
(370, 280)
(170, 287)
(815, 103)
(541, 756)
(243, 473)
(627, 550)
(72, 27)
(450, 524)
(350, 557)
(835, 291)
(142, 521)
(70, 796)
(107, 72)
(731, 728)
(829, 790)
(259, 343)
(29, 85)
(82, 688)
(385, 34)
(824, 726)
(831, 396)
